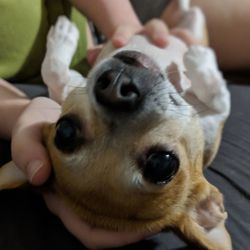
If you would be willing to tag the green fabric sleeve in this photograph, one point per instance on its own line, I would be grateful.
(24, 25)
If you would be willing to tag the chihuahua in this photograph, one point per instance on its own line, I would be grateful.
(129, 149)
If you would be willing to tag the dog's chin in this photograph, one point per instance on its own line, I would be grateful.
(110, 221)
(128, 210)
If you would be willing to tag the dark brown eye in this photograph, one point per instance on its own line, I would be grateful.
(68, 137)
(160, 167)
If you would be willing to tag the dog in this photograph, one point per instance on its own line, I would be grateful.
(134, 137)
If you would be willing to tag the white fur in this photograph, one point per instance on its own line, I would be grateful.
(61, 45)
(184, 5)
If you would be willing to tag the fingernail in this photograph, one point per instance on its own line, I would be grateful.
(33, 167)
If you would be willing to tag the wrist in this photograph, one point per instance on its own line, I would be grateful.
(108, 15)
(14, 110)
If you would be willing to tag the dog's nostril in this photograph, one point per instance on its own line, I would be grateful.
(129, 90)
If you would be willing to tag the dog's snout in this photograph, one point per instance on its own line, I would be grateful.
(126, 82)
(117, 90)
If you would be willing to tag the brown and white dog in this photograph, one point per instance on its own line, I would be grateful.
(129, 149)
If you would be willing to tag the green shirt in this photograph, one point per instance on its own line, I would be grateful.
(24, 25)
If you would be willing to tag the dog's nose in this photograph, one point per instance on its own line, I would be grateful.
(123, 87)
(117, 90)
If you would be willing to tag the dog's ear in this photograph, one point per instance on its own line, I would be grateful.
(177, 78)
(204, 221)
(11, 176)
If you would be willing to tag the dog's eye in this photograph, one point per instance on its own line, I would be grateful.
(160, 167)
(67, 137)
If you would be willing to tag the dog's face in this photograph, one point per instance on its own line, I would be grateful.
(127, 153)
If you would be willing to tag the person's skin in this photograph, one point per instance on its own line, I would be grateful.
(23, 123)
(13, 102)
(120, 23)
(228, 24)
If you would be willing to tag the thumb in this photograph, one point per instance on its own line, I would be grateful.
(28, 151)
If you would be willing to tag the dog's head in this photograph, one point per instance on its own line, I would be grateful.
(128, 153)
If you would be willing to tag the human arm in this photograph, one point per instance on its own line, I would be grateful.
(228, 24)
(107, 15)
(12, 103)
(228, 27)
(118, 21)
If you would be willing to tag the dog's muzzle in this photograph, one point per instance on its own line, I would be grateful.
(125, 85)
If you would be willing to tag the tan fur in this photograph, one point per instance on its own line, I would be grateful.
(95, 189)
(122, 210)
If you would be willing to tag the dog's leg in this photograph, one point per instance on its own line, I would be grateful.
(209, 94)
(61, 45)
(193, 20)
(184, 5)
(207, 81)
(209, 88)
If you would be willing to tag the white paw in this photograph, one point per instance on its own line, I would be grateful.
(61, 45)
(193, 20)
(207, 82)
(62, 40)
(55, 75)
(199, 57)
(184, 5)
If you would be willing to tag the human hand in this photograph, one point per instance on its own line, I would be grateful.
(31, 156)
(156, 30)
(91, 237)
(28, 151)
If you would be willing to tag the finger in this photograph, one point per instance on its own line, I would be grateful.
(28, 151)
(122, 36)
(184, 35)
(93, 53)
(92, 238)
(157, 31)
